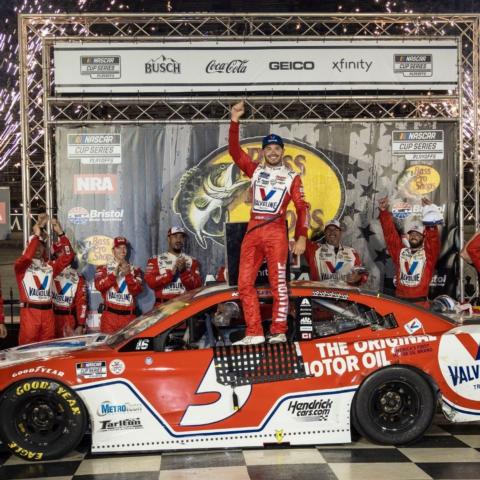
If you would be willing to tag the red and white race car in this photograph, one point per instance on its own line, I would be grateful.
(171, 379)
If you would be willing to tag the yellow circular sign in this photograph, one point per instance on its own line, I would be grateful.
(97, 250)
(215, 192)
(418, 180)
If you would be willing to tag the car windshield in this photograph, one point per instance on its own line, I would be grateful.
(146, 320)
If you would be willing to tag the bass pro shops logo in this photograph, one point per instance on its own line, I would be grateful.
(215, 191)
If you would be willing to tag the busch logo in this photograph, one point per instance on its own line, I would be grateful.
(233, 66)
(316, 410)
(162, 64)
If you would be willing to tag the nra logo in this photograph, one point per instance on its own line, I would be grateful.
(101, 184)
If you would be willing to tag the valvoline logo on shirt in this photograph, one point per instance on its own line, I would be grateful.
(41, 290)
(410, 268)
(334, 268)
(266, 195)
(62, 290)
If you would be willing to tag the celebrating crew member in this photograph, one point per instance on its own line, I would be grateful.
(471, 251)
(34, 278)
(119, 283)
(331, 260)
(172, 273)
(273, 185)
(414, 264)
(69, 299)
(3, 328)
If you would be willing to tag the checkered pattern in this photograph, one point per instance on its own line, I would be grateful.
(449, 451)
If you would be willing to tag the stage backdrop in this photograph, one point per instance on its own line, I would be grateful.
(138, 181)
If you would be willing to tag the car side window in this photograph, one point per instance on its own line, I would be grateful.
(215, 326)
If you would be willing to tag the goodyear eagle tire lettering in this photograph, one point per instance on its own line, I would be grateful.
(41, 419)
(393, 406)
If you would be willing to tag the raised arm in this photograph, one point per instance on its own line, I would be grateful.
(191, 276)
(243, 161)
(390, 233)
(154, 279)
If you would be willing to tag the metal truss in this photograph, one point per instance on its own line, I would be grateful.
(41, 111)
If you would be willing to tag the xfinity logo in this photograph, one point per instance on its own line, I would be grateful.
(299, 65)
(162, 64)
(100, 183)
(233, 66)
(344, 64)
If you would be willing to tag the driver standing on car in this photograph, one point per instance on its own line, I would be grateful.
(119, 283)
(174, 272)
(415, 263)
(273, 185)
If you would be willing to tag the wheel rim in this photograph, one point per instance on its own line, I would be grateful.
(40, 420)
(395, 406)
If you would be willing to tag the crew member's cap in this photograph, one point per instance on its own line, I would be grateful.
(416, 227)
(119, 241)
(432, 215)
(333, 222)
(174, 230)
(272, 139)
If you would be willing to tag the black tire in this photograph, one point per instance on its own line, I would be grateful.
(41, 419)
(394, 406)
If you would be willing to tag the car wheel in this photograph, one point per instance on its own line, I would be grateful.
(41, 419)
(394, 406)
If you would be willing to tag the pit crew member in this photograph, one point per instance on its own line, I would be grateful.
(415, 263)
(172, 273)
(119, 283)
(34, 276)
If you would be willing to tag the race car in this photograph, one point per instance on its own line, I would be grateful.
(173, 380)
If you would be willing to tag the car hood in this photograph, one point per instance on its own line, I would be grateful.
(50, 348)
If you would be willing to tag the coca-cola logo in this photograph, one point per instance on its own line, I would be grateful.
(233, 66)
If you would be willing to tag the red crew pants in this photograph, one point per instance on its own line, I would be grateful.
(268, 242)
(112, 322)
(64, 325)
(36, 325)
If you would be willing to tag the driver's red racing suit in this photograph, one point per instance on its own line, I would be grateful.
(414, 268)
(473, 249)
(34, 279)
(266, 237)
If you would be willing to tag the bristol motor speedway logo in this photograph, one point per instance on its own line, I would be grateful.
(459, 359)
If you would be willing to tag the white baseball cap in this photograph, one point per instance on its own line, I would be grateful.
(333, 222)
(174, 230)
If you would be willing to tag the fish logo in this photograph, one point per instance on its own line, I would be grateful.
(203, 197)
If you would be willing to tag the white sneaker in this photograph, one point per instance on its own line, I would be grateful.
(251, 340)
(278, 338)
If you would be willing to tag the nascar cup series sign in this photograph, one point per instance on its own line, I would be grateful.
(282, 65)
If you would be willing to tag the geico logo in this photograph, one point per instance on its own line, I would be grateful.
(291, 65)
(23, 452)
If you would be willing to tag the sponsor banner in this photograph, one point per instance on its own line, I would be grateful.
(418, 144)
(182, 175)
(95, 149)
(98, 184)
(283, 65)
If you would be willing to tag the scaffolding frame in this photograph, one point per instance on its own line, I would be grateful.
(42, 110)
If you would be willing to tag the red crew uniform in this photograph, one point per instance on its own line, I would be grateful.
(272, 188)
(2, 315)
(34, 279)
(413, 268)
(473, 249)
(329, 263)
(119, 292)
(159, 276)
(69, 302)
